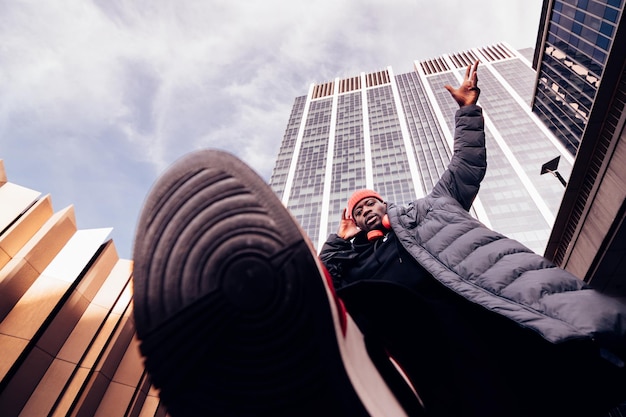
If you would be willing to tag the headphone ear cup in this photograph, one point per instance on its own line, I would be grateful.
(374, 234)
(386, 223)
(377, 234)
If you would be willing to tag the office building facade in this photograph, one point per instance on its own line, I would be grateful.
(394, 133)
(67, 334)
(578, 39)
(581, 94)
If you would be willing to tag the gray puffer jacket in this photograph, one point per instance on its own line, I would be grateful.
(494, 271)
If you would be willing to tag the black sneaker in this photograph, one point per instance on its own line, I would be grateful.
(235, 312)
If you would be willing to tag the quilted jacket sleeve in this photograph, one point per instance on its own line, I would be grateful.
(469, 162)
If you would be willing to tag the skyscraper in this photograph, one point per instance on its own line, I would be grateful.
(581, 95)
(394, 133)
(576, 42)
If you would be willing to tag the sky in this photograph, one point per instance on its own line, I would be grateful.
(99, 97)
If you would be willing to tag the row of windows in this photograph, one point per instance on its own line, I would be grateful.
(551, 114)
(429, 144)
(600, 36)
(572, 112)
(567, 86)
(523, 137)
(591, 56)
(577, 9)
(279, 174)
(519, 76)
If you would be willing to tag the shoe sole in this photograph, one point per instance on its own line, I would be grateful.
(234, 316)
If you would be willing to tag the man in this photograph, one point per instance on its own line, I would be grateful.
(237, 316)
(481, 325)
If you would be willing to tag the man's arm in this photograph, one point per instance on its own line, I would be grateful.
(469, 162)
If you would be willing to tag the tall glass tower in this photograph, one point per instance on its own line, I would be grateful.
(394, 133)
(579, 37)
(580, 57)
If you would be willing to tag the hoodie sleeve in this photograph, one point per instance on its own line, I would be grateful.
(469, 162)
(334, 254)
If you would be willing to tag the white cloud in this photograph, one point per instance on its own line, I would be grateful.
(98, 97)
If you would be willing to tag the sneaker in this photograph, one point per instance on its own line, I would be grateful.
(234, 311)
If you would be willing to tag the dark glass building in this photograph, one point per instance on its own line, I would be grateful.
(577, 38)
(580, 95)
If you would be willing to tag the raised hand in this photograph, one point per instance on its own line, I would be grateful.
(347, 228)
(468, 92)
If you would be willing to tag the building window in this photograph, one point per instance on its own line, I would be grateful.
(606, 29)
(577, 28)
(603, 42)
(558, 6)
(610, 14)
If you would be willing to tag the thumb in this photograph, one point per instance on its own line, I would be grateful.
(448, 87)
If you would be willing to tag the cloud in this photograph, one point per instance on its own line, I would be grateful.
(97, 98)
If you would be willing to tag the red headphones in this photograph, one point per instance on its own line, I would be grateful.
(376, 233)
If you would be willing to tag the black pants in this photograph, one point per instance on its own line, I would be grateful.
(467, 361)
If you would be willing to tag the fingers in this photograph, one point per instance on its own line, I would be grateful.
(345, 215)
(475, 73)
(470, 74)
(347, 228)
(471, 68)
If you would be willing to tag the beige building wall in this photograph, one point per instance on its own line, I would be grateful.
(67, 337)
(598, 253)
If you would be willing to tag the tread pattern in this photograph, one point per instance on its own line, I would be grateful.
(229, 303)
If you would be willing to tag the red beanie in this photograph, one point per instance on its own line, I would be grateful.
(359, 195)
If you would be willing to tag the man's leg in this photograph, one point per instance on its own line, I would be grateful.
(233, 309)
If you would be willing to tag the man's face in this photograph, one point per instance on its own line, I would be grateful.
(368, 214)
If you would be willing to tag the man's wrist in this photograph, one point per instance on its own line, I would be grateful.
(344, 236)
